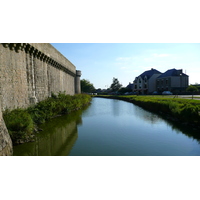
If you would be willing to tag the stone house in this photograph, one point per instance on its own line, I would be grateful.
(145, 83)
(172, 80)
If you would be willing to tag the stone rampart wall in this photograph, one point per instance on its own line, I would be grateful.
(31, 72)
(5, 140)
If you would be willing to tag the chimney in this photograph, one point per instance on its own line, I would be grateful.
(179, 72)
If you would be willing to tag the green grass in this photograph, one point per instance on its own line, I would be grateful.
(184, 110)
(21, 123)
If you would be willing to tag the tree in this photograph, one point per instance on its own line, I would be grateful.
(197, 85)
(86, 86)
(192, 89)
(115, 86)
(124, 90)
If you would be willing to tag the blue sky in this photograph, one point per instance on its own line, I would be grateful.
(86, 23)
(100, 62)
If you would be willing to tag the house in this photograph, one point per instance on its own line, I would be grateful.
(130, 86)
(145, 83)
(172, 80)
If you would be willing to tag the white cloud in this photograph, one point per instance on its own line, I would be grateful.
(161, 55)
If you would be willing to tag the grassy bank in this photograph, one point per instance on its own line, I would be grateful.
(22, 123)
(185, 111)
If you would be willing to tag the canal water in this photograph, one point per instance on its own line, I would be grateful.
(111, 127)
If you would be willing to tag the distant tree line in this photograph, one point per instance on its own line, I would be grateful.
(115, 87)
(193, 89)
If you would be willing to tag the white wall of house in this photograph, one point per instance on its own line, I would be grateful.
(140, 83)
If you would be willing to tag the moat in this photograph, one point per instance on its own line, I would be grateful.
(111, 128)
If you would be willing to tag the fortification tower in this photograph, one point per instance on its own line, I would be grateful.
(78, 82)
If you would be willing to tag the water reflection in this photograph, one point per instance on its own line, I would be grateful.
(147, 116)
(57, 138)
(113, 128)
(177, 127)
(188, 130)
(153, 118)
(116, 108)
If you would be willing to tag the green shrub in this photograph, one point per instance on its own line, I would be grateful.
(57, 105)
(175, 108)
(19, 124)
(190, 112)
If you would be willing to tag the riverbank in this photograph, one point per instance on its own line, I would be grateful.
(22, 124)
(184, 111)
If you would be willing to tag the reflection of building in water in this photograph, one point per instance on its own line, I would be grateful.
(58, 142)
(57, 139)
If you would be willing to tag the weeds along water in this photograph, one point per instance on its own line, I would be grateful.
(22, 123)
(185, 111)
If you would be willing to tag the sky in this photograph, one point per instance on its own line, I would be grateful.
(101, 62)
(106, 39)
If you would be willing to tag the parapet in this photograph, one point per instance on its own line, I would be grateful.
(46, 53)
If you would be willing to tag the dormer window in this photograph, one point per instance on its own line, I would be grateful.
(135, 80)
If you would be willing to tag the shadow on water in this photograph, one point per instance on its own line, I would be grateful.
(178, 127)
(188, 130)
(57, 138)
